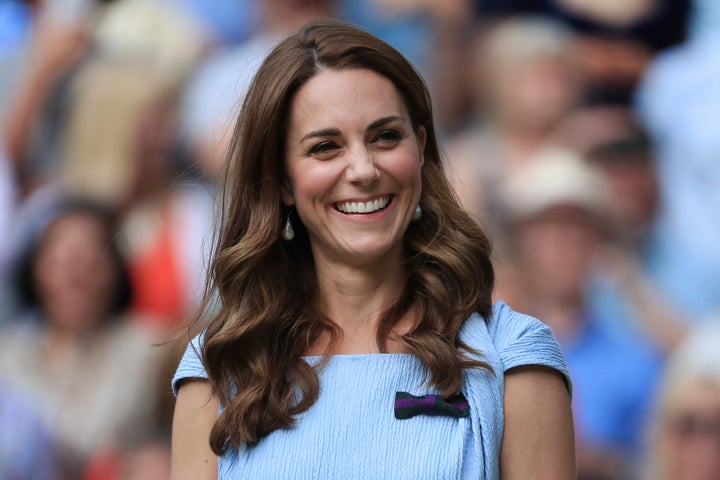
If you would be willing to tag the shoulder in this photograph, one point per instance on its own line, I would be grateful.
(510, 330)
(518, 340)
(191, 365)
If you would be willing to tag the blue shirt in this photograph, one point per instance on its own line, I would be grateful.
(614, 383)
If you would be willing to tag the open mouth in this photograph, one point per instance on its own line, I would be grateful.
(371, 206)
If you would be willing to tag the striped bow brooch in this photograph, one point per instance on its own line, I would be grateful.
(407, 405)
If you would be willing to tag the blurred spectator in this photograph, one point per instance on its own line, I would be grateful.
(616, 38)
(527, 84)
(624, 155)
(143, 53)
(678, 103)
(685, 434)
(137, 145)
(64, 35)
(148, 459)
(90, 371)
(57, 41)
(621, 151)
(152, 31)
(557, 208)
(626, 292)
(27, 449)
(104, 156)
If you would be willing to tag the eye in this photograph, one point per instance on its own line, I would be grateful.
(323, 148)
(388, 137)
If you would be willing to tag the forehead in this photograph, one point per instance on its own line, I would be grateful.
(334, 97)
(83, 225)
(701, 393)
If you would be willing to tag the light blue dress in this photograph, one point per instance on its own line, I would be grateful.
(351, 431)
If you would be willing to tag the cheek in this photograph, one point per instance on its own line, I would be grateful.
(48, 272)
(405, 167)
(104, 269)
(312, 182)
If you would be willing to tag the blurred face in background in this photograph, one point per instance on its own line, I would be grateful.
(688, 437)
(74, 272)
(557, 249)
(534, 95)
(634, 189)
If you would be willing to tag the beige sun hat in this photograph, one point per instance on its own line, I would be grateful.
(556, 178)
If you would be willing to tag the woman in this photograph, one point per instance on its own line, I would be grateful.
(91, 370)
(356, 335)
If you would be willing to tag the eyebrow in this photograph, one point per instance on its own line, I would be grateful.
(383, 121)
(334, 132)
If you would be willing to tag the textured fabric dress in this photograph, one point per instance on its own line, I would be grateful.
(351, 432)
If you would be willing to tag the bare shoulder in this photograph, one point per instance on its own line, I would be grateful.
(538, 441)
(195, 413)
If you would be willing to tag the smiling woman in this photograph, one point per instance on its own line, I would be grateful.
(356, 183)
(355, 294)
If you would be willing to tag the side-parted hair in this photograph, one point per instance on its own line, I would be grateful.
(267, 320)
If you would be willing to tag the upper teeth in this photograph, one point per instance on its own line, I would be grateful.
(363, 207)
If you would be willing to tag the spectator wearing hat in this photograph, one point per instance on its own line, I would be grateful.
(558, 222)
(630, 292)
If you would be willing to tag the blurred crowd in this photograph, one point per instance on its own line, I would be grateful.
(583, 134)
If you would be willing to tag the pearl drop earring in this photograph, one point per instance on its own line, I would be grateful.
(417, 213)
(288, 233)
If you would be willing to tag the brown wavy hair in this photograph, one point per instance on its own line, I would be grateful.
(268, 318)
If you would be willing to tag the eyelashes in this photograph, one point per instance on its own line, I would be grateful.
(385, 139)
(389, 136)
(323, 147)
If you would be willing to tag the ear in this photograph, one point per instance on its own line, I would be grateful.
(421, 139)
(286, 192)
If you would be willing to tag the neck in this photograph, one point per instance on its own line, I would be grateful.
(63, 344)
(354, 298)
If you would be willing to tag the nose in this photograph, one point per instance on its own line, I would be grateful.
(361, 167)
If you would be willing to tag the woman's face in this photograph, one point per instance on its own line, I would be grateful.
(74, 272)
(353, 163)
(689, 436)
